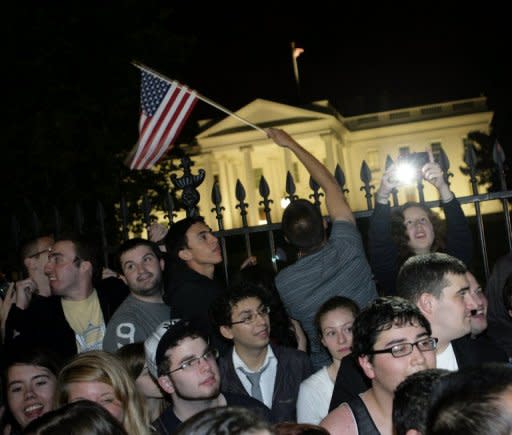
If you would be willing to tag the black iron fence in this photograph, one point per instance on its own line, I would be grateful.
(264, 240)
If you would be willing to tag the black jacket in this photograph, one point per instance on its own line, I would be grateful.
(293, 366)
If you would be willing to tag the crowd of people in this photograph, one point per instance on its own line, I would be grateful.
(402, 339)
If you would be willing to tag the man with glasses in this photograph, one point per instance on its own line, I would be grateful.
(74, 318)
(187, 370)
(391, 340)
(271, 374)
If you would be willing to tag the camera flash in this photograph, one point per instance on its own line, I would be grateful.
(406, 173)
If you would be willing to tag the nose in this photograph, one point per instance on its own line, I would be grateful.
(472, 301)
(48, 267)
(29, 393)
(417, 356)
(205, 365)
(341, 337)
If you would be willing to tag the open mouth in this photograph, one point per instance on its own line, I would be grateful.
(33, 411)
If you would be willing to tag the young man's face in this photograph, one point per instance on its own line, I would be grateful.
(478, 319)
(451, 313)
(386, 371)
(63, 268)
(248, 336)
(196, 382)
(203, 247)
(142, 270)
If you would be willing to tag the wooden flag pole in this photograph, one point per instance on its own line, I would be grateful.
(143, 67)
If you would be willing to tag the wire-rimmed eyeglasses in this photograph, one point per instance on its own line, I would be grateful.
(250, 317)
(209, 355)
(403, 349)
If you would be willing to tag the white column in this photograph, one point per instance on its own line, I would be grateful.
(249, 184)
(330, 152)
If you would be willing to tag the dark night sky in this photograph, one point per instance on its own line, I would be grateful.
(362, 59)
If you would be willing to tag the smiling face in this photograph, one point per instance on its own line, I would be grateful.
(63, 269)
(99, 392)
(143, 271)
(30, 392)
(386, 371)
(478, 319)
(419, 230)
(248, 336)
(336, 326)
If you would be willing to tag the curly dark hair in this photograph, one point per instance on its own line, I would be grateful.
(401, 239)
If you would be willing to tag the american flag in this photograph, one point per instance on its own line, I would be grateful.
(165, 109)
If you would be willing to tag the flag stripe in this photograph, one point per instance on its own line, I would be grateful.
(165, 108)
(149, 135)
(176, 126)
(168, 124)
(146, 143)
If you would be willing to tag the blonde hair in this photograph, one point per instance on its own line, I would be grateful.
(100, 366)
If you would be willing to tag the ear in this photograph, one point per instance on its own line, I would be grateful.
(162, 264)
(425, 304)
(226, 332)
(413, 432)
(86, 266)
(185, 254)
(367, 366)
(166, 384)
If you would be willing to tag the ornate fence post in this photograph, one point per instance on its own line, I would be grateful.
(366, 178)
(499, 158)
(188, 183)
(470, 160)
(240, 196)
(265, 193)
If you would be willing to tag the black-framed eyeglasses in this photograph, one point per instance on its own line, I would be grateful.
(251, 316)
(37, 254)
(403, 349)
(209, 355)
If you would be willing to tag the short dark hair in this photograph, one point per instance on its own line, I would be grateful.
(426, 273)
(130, 244)
(412, 399)
(222, 308)
(86, 249)
(224, 420)
(332, 304)
(382, 314)
(302, 225)
(20, 353)
(176, 238)
(176, 332)
(470, 402)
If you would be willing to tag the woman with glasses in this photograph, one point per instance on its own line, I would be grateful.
(333, 323)
(101, 377)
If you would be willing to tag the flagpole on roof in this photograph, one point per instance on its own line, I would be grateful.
(143, 67)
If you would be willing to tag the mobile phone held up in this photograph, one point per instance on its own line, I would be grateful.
(408, 167)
